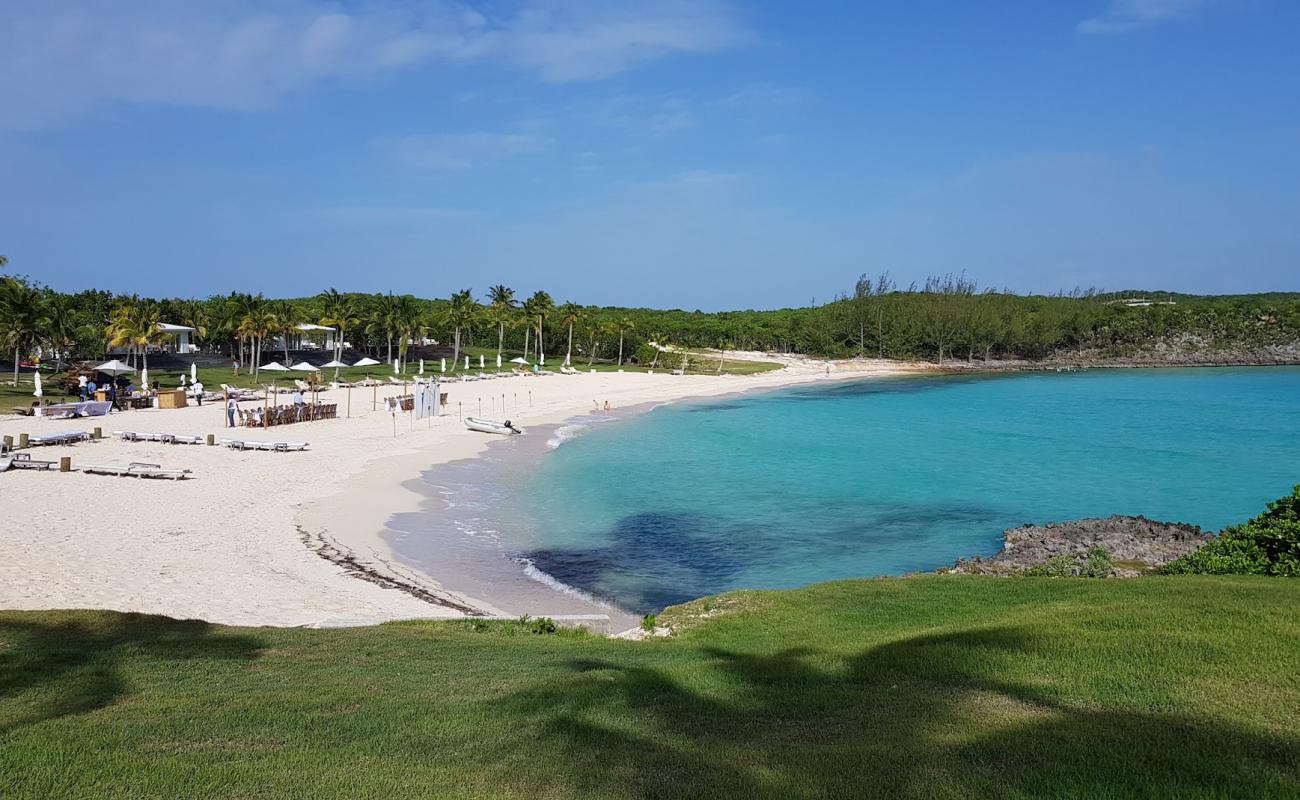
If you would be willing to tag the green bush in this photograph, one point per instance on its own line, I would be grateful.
(1266, 545)
(542, 625)
(649, 622)
(1095, 563)
(645, 356)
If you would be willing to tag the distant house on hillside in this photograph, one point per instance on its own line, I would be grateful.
(308, 336)
(1140, 302)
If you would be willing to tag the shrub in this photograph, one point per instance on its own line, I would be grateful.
(1095, 563)
(1266, 545)
(648, 622)
(542, 625)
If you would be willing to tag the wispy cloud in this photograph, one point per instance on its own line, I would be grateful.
(460, 151)
(655, 116)
(1124, 16)
(765, 97)
(60, 59)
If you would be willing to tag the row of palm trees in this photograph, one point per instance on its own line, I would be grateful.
(31, 317)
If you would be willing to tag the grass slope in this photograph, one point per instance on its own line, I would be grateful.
(926, 687)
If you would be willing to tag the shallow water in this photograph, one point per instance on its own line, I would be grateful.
(884, 477)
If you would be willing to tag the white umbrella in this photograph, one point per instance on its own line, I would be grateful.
(480, 362)
(542, 360)
(333, 364)
(37, 378)
(466, 362)
(444, 364)
(114, 367)
(519, 360)
(194, 372)
(144, 377)
(394, 366)
(498, 361)
(274, 366)
(302, 366)
(366, 362)
(422, 366)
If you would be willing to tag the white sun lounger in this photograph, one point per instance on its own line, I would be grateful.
(67, 437)
(165, 438)
(135, 469)
(24, 461)
(276, 447)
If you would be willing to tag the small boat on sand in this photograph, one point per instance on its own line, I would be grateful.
(488, 426)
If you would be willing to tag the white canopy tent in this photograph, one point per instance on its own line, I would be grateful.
(114, 368)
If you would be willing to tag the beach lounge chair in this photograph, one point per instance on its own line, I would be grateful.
(24, 461)
(135, 469)
(66, 437)
(165, 438)
(276, 447)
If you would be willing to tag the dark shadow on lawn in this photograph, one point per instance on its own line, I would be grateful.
(78, 661)
(925, 717)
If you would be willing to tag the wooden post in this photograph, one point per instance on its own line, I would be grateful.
(212, 440)
(22, 441)
(65, 464)
(9, 442)
(98, 433)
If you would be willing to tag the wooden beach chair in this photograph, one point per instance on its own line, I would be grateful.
(25, 461)
(135, 469)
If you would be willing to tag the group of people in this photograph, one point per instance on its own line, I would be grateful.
(123, 389)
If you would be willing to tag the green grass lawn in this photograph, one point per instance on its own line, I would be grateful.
(925, 687)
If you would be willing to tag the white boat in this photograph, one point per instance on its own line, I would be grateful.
(488, 426)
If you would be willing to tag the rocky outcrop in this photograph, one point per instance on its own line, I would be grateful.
(1135, 544)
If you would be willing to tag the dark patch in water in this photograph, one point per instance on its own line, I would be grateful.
(653, 560)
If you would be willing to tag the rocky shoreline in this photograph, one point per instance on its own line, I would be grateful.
(1134, 545)
(1161, 356)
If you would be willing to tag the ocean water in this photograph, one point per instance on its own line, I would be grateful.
(879, 477)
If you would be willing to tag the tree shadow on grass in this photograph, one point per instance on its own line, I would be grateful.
(926, 717)
(51, 669)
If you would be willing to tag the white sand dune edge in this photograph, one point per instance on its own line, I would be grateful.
(242, 543)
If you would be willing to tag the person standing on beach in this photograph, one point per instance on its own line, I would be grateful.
(232, 411)
(81, 387)
(197, 389)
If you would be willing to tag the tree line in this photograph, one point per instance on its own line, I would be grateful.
(941, 319)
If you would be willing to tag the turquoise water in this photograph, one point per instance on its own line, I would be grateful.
(889, 476)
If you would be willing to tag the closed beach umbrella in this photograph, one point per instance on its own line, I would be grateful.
(37, 378)
(422, 366)
(394, 366)
(144, 378)
(480, 362)
(542, 360)
(114, 368)
(366, 362)
(466, 362)
(498, 361)
(444, 363)
(194, 372)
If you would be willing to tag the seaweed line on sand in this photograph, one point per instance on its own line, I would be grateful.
(341, 556)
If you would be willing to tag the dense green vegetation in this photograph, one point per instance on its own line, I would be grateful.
(926, 687)
(1266, 545)
(945, 318)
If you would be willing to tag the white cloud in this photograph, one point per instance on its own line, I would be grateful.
(643, 115)
(61, 59)
(460, 151)
(1123, 16)
(765, 97)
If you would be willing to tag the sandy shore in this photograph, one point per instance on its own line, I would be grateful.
(260, 538)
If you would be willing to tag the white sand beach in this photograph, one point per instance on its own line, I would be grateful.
(241, 541)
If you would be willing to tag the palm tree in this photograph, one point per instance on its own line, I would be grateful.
(3, 262)
(340, 313)
(382, 320)
(285, 319)
(22, 317)
(255, 326)
(525, 320)
(595, 330)
(570, 314)
(134, 325)
(407, 323)
(501, 300)
(624, 325)
(540, 305)
(460, 314)
(62, 325)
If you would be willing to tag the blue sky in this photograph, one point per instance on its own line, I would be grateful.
(704, 154)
